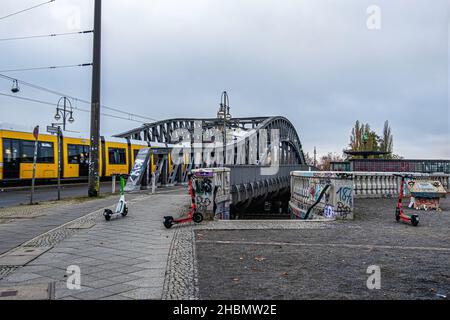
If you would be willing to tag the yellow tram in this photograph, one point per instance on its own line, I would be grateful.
(117, 156)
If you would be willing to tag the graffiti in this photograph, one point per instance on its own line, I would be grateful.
(345, 195)
(329, 212)
(343, 210)
(202, 203)
(203, 186)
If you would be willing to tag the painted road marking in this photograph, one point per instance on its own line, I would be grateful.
(328, 245)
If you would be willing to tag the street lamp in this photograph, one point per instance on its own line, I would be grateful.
(63, 113)
(15, 87)
(224, 113)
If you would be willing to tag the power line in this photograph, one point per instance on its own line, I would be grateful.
(61, 94)
(27, 9)
(46, 35)
(75, 108)
(48, 68)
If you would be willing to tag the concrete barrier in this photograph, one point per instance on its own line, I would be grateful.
(343, 188)
(330, 193)
(212, 192)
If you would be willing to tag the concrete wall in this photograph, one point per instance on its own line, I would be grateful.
(212, 192)
(344, 187)
(337, 202)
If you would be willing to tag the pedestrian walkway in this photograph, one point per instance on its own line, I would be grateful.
(31, 221)
(122, 259)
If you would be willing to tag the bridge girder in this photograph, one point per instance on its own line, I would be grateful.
(163, 132)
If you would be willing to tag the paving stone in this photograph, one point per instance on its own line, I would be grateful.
(120, 288)
(93, 294)
(111, 254)
(143, 294)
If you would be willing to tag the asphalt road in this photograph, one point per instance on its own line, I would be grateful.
(13, 197)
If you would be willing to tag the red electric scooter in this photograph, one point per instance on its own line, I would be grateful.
(399, 212)
(193, 215)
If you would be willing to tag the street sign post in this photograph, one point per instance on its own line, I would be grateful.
(57, 130)
(52, 130)
(59, 135)
(36, 142)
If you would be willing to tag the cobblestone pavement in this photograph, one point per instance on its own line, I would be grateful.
(125, 258)
(329, 262)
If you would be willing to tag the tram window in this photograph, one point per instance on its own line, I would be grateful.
(45, 152)
(11, 150)
(117, 156)
(27, 151)
(78, 154)
(73, 154)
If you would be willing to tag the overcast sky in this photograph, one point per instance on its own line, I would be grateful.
(314, 61)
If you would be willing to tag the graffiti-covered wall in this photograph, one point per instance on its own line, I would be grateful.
(212, 192)
(329, 194)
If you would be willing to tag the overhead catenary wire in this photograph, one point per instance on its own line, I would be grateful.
(61, 94)
(74, 108)
(26, 9)
(47, 35)
(82, 65)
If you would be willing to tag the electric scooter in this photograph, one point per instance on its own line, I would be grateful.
(122, 207)
(400, 215)
(193, 214)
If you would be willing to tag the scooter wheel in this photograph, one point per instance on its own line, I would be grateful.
(397, 216)
(415, 220)
(168, 222)
(125, 211)
(107, 214)
(197, 217)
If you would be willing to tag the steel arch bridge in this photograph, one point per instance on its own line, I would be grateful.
(165, 132)
(249, 185)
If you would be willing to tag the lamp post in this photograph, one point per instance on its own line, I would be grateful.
(224, 113)
(63, 113)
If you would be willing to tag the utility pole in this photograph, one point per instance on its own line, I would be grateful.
(94, 155)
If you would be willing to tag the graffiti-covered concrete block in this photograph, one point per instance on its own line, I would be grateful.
(212, 192)
(321, 195)
(426, 194)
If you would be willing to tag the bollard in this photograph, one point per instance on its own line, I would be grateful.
(113, 184)
(153, 182)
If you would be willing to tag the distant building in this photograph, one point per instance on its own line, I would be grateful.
(387, 165)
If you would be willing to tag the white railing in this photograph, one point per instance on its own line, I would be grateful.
(385, 184)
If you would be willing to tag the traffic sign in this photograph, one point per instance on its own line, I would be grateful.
(36, 132)
(52, 130)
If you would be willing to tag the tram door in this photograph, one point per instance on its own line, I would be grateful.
(11, 159)
(84, 161)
